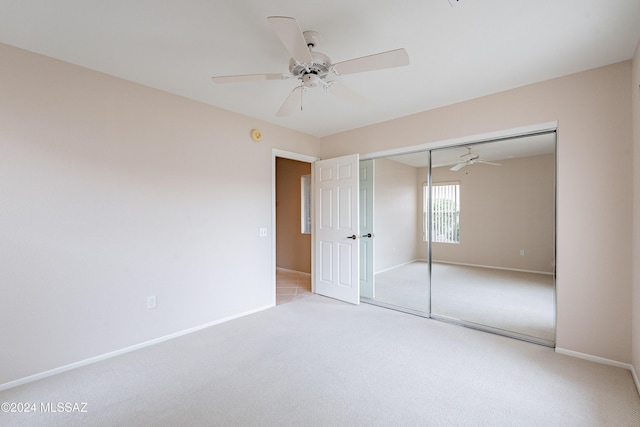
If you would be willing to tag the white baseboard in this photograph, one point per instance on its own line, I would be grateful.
(105, 356)
(397, 266)
(596, 359)
(466, 265)
(492, 267)
(603, 361)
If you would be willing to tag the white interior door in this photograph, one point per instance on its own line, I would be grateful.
(367, 284)
(336, 228)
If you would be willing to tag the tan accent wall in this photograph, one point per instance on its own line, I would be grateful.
(293, 249)
(593, 111)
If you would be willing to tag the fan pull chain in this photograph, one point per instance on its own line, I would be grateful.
(301, 91)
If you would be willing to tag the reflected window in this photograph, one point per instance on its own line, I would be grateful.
(445, 203)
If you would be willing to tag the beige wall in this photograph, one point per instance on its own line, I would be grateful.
(635, 91)
(503, 210)
(522, 190)
(395, 207)
(111, 192)
(593, 110)
(293, 249)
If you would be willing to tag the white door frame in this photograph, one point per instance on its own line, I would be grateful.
(301, 158)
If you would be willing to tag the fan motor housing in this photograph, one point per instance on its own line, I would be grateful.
(311, 37)
(320, 66)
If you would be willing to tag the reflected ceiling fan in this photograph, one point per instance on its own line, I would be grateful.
(312, 68)
(469, 159)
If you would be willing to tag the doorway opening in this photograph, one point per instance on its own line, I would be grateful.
(293, 237)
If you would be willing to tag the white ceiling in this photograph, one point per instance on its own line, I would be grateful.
(456, 53)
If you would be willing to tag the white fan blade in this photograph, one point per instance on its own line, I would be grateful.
(249, 78)
(458, 166)
(349, 95)
(290, 103)
(378, 61)
(290, 34)
(488, 163)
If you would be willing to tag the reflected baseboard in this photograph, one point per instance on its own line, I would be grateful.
(466, 324)
(496, 331)
(399, 265)
(548, 273)
(394, 307)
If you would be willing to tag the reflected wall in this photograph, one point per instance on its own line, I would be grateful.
(500, 273)
(495, 266)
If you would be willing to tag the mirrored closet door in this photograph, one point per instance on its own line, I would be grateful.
(493, 236)
(395, 216)
(475, 247)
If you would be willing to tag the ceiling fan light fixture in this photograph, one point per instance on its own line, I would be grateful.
(310, 80)
(470, 158)
(312, 68)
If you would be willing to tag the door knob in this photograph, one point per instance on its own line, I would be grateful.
(367, 235)
(354, 237)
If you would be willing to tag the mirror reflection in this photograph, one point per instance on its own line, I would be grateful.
(394, 212)
(492, 231)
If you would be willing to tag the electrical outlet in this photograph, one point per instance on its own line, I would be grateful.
(521, 252)
(152, 302)
(263, 232)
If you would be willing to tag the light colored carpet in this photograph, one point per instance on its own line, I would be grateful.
(405, 286)
(320, 362)
(509, 300)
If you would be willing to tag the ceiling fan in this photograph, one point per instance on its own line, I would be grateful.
(312, 68)
(469, 159)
